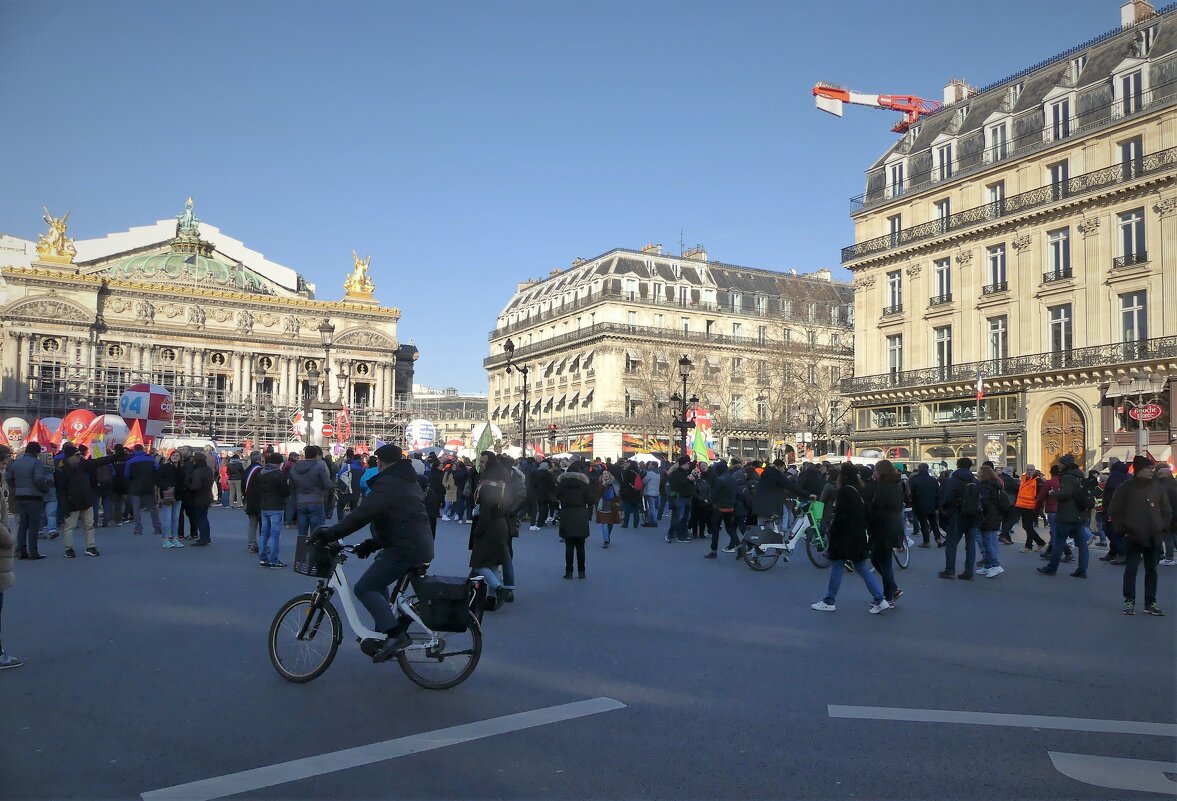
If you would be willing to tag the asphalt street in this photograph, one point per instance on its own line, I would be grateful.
(147, 669)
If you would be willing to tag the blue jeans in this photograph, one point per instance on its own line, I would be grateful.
(509, 574)
(651, 508)
(863, 568)
(956, 531)
(51, 515)
(29, 512)
(680, 515)
(491, 574)
(198, 513)
(606, 530)
(169, 515)
(991, 547)
(310, 517)
(631, 509)
(271, 530)
(1059, 545)
(1052, 525)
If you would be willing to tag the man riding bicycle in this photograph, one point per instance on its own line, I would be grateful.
(395, 509)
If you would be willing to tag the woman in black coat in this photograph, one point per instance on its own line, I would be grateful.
(884, 524)
(490, 535)
(848, 542)
(577, 500)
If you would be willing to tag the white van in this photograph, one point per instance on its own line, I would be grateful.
(169, 444)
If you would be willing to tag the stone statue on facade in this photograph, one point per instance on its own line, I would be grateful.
(196, 316)
(54, 245)
(187, 224)
(244, 320)
(290, 324)
(144, 312)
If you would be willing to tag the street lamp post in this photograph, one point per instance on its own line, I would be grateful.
(308, 403)
(260, 378)
(509, 348)
(1141, 385)
(683, 424)
(326, 336)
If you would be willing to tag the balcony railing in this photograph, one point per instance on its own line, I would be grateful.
(1088, 183)
(940, 300)
(643, 332)
(1056, 275)
(994, 288)
(1140, 257)
(892, 310)
(1095, 356)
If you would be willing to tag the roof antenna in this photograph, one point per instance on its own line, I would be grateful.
(681, 246)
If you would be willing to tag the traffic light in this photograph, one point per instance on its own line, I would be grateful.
(552, 432)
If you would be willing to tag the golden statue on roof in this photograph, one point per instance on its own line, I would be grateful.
(54, 245)
(358, 284)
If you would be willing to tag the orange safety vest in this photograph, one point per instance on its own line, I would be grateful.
(1027, 493)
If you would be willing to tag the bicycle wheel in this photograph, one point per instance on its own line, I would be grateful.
(815, 546)
(759, 558)
(300, 660)
(902, 554)
(444, 667)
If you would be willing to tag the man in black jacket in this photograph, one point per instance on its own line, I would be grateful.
(925, 495)
(682, 491)
(76, 495)
(140, 473)
(395, 509)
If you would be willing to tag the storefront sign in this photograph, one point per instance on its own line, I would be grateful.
(1146, 413)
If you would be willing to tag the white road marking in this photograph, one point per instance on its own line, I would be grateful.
(258, 778)
(1117, 773)
(1001, 719)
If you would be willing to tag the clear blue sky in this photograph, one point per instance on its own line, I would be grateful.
(470, 145)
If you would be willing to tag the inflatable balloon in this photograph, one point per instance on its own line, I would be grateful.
(53, 426)
(149, 403)
(420, 434)
(15, 431)
(114, 429)
(75, 423)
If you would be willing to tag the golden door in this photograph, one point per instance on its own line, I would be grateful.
(1062, 433)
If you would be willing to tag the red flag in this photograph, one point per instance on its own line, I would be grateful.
(40, 435)
(135, 437)
(96, 427)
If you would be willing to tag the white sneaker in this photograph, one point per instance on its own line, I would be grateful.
(7, 661)
(994, 572)
(533, 528)
(881, 606)
(982, 571)
(822, 606)
(168, 544)
(1168, 562)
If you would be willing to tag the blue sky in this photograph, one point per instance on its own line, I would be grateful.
(469, 145)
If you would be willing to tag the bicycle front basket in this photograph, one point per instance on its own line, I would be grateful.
(315, 561)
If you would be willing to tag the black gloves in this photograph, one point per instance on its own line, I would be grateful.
(366, 548)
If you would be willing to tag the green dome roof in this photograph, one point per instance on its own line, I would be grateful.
(187, 267)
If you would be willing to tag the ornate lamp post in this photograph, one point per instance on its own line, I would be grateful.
(1147, 389)
(260, 379)
(327, 335)
(683, 424)
(309, 401)
(509, 349)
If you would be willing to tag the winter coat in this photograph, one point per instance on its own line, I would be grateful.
(627, 485)
(268, 490)
(395, 509)
(24, 474)
(140, 472)
(770, 493)
(1052, 485)
(451, 486)
(576, 499)
(884, 520)
(7, 547)
(75, 490)
(542, 484)
(991, 514)
(236, 469)
(1169, 487)
(490, 536)
(651, 482)
(608, 509)
(1117, 476)
(952, 488)
(252, 471)
(198, 484)
(1141, 510)
(679, 482)
(723, 489)
(925, 490)
(311, 481)
(1065, 497)
(810, 482)
(848, 534)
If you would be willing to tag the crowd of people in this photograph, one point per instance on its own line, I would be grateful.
(1129, 510)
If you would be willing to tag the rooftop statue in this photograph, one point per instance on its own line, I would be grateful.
(358, 283)
(187, 224)
(54, 245)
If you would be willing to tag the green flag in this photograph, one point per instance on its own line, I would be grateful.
(486, 441)
(699, 446)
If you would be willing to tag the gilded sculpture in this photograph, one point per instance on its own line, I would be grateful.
(358, 283)
(54, 245)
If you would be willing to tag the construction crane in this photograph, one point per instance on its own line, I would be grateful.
(830, 97)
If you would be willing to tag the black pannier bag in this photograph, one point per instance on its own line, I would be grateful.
(443, 602)
(316, 561)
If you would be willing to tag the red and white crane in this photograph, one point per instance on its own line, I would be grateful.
(830, 97)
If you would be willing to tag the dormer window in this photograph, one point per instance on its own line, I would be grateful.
(1058, 119)
(1145, 39)
(737, 301)
(1015, 93)
(676, 271)
(996, 142)
(1076, 68)
(895, 179)
(942, 156)
(1129, 93)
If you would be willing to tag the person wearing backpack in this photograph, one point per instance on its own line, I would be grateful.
(995, 504)
(608, 506)
(961, 506)
(631, 495)
(1073, 502)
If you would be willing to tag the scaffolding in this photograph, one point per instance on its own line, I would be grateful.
(202, 406)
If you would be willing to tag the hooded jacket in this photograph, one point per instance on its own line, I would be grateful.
(953, 487)
(1066, 496)
(723, 490)
(74, 487)
(925, 489)
(311, 481)
(268, 490)
(1141, 510)
(1118, 475)
(395, 509)
(577, 500)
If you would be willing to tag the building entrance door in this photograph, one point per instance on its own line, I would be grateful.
(1063, 432)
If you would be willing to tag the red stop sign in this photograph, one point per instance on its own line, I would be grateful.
(328, 430)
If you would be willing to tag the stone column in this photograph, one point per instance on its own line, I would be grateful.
(13, 374)
(378, 387)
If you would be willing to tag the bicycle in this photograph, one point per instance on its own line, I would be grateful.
(761, 551)
(902, 553)
(444, 619)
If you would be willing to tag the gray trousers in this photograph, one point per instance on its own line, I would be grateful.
(254, 522)
(146, 503)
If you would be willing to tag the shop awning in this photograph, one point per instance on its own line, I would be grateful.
(633, 355)
(573, 399)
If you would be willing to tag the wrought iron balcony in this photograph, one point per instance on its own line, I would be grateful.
(1162, 161)
(994, 288)
(893, 310)
(1056, 275)
(1077, 358)
(1139, 257)
(940, 300)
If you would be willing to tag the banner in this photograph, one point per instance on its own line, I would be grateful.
(637, 443)
(991, 446)
(582, 444)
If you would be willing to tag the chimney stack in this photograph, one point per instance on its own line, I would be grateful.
(654, 249)
(957, 90)
(1135, 11)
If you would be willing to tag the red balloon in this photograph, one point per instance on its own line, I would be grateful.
(75, 423)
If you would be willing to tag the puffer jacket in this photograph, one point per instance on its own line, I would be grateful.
(311, 480)
(24, 474)
(1065, 497)
(1141, 510)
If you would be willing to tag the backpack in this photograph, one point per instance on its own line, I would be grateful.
(999, 500)
(1084, 499)
(968, 502)
(637, 481)
(343, 481)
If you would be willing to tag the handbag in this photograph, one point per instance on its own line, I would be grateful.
(168, 496)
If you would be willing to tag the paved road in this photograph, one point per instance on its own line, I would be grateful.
(147, 669)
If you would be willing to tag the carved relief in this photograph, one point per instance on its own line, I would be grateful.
(50, 310)
(244, 320)
(144, 312)
(912, 272)
(222, 315)
(1165, 206)
(196, 316)
(365, 338)
(1063, 432)
(1088, 226)
(172, 311)
(964, 258)
(267, 320)
(1022, 242)
(119, 305)
(864, 282)
(291, 324)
